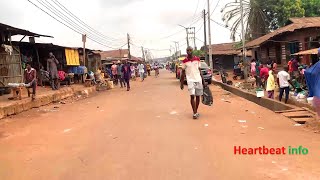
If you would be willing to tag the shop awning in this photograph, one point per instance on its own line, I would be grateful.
(72, 57)
(307, 52)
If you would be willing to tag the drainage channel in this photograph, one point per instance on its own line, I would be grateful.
(299, 115)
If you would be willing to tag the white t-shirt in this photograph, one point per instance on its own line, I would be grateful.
(191, 66)
(141, 68)
(284, 78)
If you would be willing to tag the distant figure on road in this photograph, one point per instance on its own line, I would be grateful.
(120, 74)
(191, 69)
(126, 71)
(283, 79)
(149, 69)
(114, 70)
(133, 72)
(141, 71)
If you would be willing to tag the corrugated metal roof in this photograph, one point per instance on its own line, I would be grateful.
(17, 31)
(297, 23)
(307, 52)
(223, 49)
(123, 53)
(305, 20)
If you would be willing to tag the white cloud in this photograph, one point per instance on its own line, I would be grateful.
(147, 21)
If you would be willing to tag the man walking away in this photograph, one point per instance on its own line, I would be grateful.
(141, 71)
(283, 79)
(30, 77)
(120, 74)
(191, 69)
(52, 63)
(114, 70)
(126, 70)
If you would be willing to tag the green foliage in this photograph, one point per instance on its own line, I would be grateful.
(262, 16)
(198, 53)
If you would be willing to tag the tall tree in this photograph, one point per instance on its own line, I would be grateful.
(255, 17)
(311, 7)
(263, 16)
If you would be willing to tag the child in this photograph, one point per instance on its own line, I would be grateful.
(271, 85)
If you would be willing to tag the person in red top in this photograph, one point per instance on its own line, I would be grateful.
(191, 70)
(264, 74)
(30, 77)
(64, 76)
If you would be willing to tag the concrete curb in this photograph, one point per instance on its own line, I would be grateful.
(25, 105)
(264, 102)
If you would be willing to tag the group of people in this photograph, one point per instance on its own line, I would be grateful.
(122, 72)
(267, 75)
(54, 76)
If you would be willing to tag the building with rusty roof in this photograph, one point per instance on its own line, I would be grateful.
(227, 53)
(298, 35)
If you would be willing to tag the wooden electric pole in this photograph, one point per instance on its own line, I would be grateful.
(84, 39)
(128, 37)
(143, 56)
(205, 38)
(209, 36)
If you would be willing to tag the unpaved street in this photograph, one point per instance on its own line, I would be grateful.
(149, 134)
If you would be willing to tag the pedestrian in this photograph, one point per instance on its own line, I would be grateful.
(283, 79)
(290, 67)
(271, 85)
(30, 78)
(191, 69)
(126, 71)
(295, 68)
(253, 68)
(133, 72)
(264, 74)
(52, 64)
(120, 74)
(274, 67)
(149, 69)
(141, 71)
(114, 70)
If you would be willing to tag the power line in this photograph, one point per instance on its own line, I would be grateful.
(215, 7)
(196, 10)
(79, 20)
(72, 26)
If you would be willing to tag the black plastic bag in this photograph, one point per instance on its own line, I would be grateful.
(207, 98)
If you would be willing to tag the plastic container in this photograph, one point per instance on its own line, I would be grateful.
(310, 100)
(260, 93)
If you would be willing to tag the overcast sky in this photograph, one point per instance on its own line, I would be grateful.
(149, 22)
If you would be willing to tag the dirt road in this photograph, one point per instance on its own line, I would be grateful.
(149, 134)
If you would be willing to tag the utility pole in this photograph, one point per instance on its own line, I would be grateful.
(128, 38)
(209, 34)
(143, 56)
(205, 38)
(243, 43)
(175, 43)
(194, 38)
(187, 37)
(84, 39)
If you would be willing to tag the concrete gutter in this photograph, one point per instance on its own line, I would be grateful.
(24, 105)
(264, 102)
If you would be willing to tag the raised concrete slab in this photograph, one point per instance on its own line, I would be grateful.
(45, 98)
(264, 102)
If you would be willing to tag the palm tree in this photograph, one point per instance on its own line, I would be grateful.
(256, 18)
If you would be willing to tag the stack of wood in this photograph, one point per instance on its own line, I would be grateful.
(299, 115)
